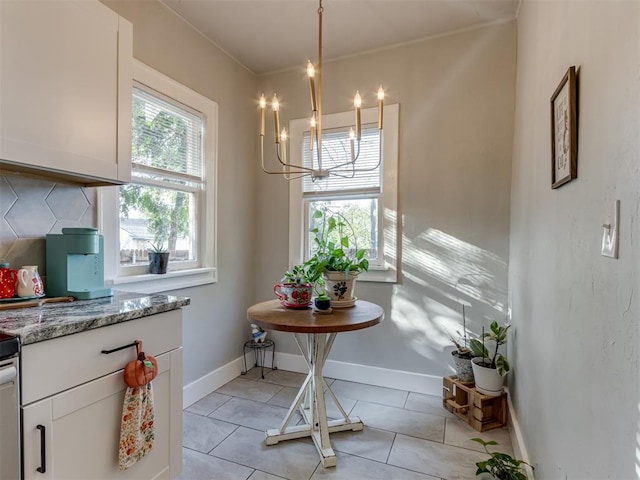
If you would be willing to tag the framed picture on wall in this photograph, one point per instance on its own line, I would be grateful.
(564, 131)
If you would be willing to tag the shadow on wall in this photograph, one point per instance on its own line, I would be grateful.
(441, 274)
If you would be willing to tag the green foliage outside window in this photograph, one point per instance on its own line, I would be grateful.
(158, 141)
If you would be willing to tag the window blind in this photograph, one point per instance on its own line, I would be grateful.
(336, 149)
(167, 138)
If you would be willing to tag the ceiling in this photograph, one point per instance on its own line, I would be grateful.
(271, 35)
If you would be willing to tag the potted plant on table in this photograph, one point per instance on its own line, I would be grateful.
(296, 289)
(489, 370)
(334, 263)
(158, 257)
(499, 466)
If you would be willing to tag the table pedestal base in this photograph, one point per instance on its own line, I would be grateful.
(327, 455)
(310, 403)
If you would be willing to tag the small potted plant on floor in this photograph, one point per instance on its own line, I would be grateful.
(499, 466)
(158, 257)
(335, 263)
(489, 370)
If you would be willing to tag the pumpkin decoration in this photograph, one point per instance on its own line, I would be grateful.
(141, 371)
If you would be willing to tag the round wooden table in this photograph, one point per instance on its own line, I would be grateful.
(321, 330)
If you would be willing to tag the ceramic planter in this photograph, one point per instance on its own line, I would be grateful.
(340, 286)
(322, 303)
(464, 370)
(488, 382)
(294, 295)
(158, 262)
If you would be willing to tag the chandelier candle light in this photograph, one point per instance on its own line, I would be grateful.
(345, 167)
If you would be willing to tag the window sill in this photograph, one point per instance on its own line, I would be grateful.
(379, 274)
(175, 280)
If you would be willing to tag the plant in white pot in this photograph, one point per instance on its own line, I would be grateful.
(489, 369)
(335, 263)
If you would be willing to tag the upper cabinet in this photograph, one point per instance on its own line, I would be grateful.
(65, 91)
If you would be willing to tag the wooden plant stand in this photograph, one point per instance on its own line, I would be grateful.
(480, 411)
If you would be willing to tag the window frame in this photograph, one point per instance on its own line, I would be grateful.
(388, 198)
(133, 277)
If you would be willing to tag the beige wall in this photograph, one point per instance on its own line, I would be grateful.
(456, 96)
(215, 324)
(576, 386)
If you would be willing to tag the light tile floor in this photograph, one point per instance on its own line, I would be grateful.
(407, 435)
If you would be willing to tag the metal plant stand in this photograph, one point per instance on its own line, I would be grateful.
(259, 354)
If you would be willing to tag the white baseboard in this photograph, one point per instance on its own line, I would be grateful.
(382, 377)
(517, 440)
(210, 382)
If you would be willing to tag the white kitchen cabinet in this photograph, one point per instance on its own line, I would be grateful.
(80, 426)
(65, 90)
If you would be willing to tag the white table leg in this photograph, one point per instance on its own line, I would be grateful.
(311, 402)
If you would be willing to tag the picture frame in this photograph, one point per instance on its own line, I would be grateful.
(564, 131)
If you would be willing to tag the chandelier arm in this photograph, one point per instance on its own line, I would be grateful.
(307, 171)
(341, 175)
(358, 170)
(291, 165)
(351, 162)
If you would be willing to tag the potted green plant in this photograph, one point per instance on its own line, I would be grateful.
(296, 290)
(335, 263)
(158, 257)
(489, 369)
(499, 466)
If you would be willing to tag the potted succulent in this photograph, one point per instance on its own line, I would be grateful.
(334, 263)
(158, 257)
(499, 466)
(322, 301)
(489, 369)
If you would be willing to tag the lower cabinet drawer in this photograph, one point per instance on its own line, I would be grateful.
(56, 365)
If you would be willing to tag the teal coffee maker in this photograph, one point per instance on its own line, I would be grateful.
(75, 264)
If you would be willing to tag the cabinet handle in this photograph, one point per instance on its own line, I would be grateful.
(43, 450)
(107, 352)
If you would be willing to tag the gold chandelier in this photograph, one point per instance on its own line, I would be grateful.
(345, 167)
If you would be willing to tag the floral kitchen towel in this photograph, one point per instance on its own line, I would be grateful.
(136, 429)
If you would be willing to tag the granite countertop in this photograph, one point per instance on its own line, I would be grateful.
(51, 320)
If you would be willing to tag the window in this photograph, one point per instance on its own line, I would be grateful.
(169, 203)
(366, 199)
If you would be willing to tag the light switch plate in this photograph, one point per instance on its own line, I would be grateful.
(610, 233)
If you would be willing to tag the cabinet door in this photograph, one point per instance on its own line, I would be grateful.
(65, 96)
(82, 429)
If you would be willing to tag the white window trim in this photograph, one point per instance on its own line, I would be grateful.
(388, 200)
(108, 201)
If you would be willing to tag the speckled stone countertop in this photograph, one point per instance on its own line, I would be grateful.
(51, 320)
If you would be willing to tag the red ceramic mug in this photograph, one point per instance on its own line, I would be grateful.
(294, 295)
(8, 277)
